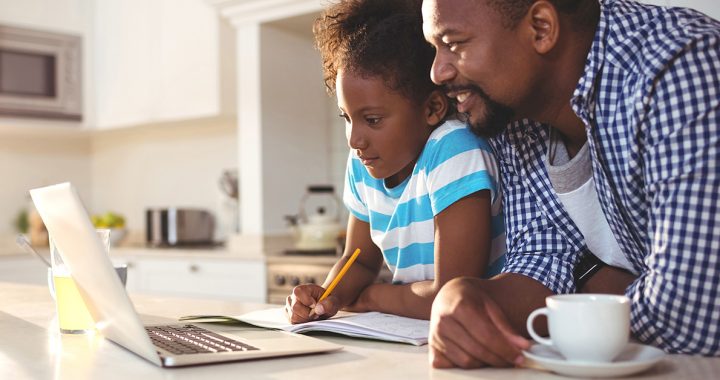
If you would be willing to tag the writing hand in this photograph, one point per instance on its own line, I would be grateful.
(301, 305)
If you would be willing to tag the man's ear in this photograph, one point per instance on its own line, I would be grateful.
(543, 22)
(436, 107)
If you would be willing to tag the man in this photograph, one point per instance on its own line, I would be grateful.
(619, 166)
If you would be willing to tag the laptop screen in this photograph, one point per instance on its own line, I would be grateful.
(68, 223)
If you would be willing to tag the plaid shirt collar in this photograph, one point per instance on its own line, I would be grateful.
(582, 102)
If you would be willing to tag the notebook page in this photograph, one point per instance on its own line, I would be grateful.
(373, 325)
(380, 324)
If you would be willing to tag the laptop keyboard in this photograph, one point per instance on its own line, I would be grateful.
(191, 339)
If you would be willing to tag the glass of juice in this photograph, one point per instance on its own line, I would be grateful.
(73, 315)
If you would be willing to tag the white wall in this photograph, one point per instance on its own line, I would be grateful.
(161, 166)
(297, 138)
(27, 162)
(709, 7)
(338, 146)
(67, 16)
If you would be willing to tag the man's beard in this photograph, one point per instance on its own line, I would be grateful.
(496, 116)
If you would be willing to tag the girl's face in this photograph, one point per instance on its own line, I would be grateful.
(386, 129)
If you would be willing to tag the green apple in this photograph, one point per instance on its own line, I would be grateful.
(108, 220)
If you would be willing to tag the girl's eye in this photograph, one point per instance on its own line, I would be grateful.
(373, 120)
(345, 117)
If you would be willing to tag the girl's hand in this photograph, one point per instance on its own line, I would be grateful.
(301, 306)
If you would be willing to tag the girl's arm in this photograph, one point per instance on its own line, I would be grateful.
(462, 248)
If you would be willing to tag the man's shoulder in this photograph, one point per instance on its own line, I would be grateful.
(644, 39)
(516, 133)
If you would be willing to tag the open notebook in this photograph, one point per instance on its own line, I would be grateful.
(372, 325)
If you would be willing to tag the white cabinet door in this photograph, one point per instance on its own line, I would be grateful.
(23, 270)
(154, 60)
(238, 279)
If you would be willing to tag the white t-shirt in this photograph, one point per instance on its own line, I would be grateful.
(573, 182)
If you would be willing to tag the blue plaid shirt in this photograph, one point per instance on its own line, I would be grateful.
(650, 100)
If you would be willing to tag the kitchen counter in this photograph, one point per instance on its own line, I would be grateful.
(32, 348)
(198, 272)
(244, 270)
(218, 252)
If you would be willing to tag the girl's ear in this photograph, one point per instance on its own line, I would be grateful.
(436, 107)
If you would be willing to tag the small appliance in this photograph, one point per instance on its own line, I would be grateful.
(40, 74)
(317, 226)
(174, 226)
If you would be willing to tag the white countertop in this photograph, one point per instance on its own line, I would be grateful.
(32, 348)
(238, 247)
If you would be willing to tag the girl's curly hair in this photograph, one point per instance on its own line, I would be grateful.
(376, 38)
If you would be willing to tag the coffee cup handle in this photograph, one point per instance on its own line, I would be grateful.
(533, 334)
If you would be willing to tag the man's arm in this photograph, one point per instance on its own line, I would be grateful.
(610, 280)
(676, 300)
(476, 323)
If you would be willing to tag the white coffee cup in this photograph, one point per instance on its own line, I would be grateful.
(585, 327)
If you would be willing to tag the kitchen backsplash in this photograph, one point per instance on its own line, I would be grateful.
(124, 170)
(130, 169)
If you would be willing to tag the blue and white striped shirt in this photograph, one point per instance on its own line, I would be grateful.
(650, 100)
(454, 163)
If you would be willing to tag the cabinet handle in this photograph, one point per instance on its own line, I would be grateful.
(194, 268)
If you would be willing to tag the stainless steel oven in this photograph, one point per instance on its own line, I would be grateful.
(287, 270)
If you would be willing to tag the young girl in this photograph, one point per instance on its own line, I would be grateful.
(421, 191)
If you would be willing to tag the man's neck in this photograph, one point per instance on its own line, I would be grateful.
(564, 73)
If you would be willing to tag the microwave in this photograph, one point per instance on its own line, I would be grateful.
(40, 74)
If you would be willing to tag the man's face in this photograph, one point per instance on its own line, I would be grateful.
(478, 60)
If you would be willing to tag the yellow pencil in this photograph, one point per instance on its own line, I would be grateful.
(338, 277)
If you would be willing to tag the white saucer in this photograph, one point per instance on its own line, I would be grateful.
(635, 358)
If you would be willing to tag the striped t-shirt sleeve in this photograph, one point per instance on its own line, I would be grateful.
(460, 164)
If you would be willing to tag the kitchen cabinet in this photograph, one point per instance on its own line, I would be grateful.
(23, 269)
(157, 61)
(219, 276)
(201, 275)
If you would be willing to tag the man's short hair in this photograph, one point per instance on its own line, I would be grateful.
(513, 11)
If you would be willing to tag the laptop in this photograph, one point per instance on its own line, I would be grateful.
(115, 317)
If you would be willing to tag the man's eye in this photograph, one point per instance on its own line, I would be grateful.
(453, 45)
(344, 116)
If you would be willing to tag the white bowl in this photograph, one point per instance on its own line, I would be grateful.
(117, 235)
